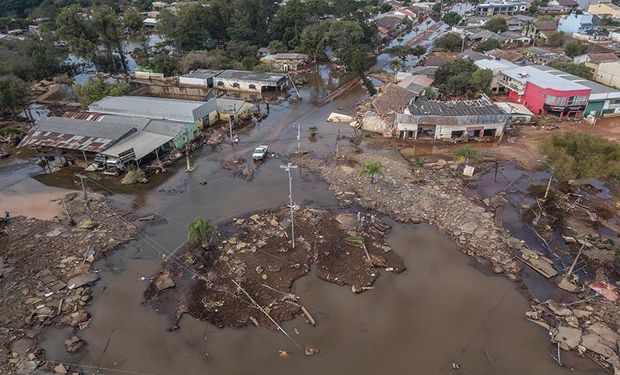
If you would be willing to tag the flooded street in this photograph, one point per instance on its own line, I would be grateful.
(441, 310)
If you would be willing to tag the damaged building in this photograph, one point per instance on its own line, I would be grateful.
(385, 106)
(445, 120)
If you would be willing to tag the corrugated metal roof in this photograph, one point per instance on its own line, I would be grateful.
(155, 108)
(229, 105)
(483, 106)
(74, 134)
(142, 143)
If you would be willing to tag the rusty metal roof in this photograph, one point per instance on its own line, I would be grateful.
(72, 134)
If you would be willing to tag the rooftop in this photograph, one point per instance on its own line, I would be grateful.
(391, 100)
(83, 135)
(202, 73)
(596, 88)
(251, 76)
(495, 64)
(514, 108)
(546, 25)
(155, 108)
(482, 106)
(541, 78)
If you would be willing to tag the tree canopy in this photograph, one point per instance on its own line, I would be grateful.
(487, 45)
(451, 18)
(449, 42)
(578, 155)
(575, 48)
(579, 70)
(96, 89)
(497, 25)
(462, 77)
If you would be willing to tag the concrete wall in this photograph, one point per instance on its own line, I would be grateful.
(608, 74)
(245, 86)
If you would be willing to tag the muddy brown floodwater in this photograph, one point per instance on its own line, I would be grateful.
(441, 310)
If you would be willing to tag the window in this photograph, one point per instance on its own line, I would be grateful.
(235, 85)
(220, 83)
(252, 86)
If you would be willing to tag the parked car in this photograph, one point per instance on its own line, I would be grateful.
(260, 152)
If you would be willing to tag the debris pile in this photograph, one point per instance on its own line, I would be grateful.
(47, 276)
(248, 278)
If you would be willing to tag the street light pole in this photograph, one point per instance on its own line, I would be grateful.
(288, 168)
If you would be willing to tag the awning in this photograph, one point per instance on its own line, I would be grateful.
(143, 143)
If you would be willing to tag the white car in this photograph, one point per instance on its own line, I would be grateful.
(260, 152)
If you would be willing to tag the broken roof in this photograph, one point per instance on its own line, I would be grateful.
(392, 100)
(72, 134)
(546, 25)
(424, 107)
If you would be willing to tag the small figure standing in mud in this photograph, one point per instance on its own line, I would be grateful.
(204, 181)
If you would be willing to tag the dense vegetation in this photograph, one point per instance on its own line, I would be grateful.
(579, 70)
(462, 77)
(577, 155)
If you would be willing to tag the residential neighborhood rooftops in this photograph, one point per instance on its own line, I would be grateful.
(482, 106)
(155, 108)
(598, 58)
(391, 100)
(495, 64)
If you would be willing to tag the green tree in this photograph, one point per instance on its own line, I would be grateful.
(107, 26)
(372, 169)
(276, 46)
(399, 51)
(481, 80)
(556, 39)
(188, 29)
(132, 19)
(449, 42)
(497, 25)
(202, 232)
(577, 155)
(451, 18)
(467, 154)
(13, 95)
(314, 39)
(96, 89)
(487, 45)
(44, 55)
(461, 77)
(396, 65)
(77, 32)
(575, 48)
(343, 36)
(436, 8)
(291, 18)
(579, 70)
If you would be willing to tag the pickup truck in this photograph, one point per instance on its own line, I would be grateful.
(260, 152)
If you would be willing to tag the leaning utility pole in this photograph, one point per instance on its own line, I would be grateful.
(86, 206)
(288, 168)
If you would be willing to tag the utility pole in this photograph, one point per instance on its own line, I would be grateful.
(550, 177)
(288, 168)
(86, 206)
(189, 164)
(337, 143)
(230, 115)
(298, 138)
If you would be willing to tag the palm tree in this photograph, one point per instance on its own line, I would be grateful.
(395, 65)
(359, 242)
(201, 232)
(466, 154)
(373, 169)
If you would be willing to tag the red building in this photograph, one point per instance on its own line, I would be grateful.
(544, 93)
